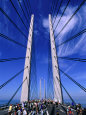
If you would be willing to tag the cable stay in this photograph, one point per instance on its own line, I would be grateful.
(73, 37)
(11, 40)
(13, 22)
(62, 14)
(30, 5)
(16, 92)
(51, 7)
(22, 10)
(84, 89)
(12, 59)
(54, 10)
(66, 92)
(71, 17)
(26, 8)
(4, 84)
(73, 59)
(53, 4)
(19, 15)
(58, 11)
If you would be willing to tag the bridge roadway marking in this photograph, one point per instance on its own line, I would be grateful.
(62, 110)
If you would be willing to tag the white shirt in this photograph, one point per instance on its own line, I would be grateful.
(19, 112)
(24, 112)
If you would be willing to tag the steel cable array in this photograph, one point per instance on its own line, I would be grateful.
(18, 15)
(12, 22)
(12, 59)
(62, 14)
(11, 40)
(71, 18)
(4, 84)
(83, 88)
(73, 59)
(71, 38)
(16, 91)
(23, 10)
(57, 11)
(66, 92)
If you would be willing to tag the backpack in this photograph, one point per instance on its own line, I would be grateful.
(70, 112)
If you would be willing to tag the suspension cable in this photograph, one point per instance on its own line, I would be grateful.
(58, 11)
(23, 10)
(18, 14)
(16, 92)
(73, 59)
(73, 37)
(66, 91)
(30, 5)
(4, 84)
(62, 14)
(12, 59)
(71, 17)
(10, 39)
(55, 7)
(26, 8)
(51, 8)
(12, 22)
(84, 89)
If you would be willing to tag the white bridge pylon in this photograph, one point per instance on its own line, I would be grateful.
(26, 86)
(55, 69)
(25, 94)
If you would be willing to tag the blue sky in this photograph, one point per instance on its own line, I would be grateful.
(74, 48)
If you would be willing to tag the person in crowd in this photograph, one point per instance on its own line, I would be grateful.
(15, 110)
(24, 112)
(22, 104)
(41, 108)
(80, 111)
(69, 111)
(10, 110)
(19, 111)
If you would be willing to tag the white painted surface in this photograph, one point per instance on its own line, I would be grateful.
(25, 86)
(57, 88)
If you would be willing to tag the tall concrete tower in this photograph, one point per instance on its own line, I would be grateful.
(57, 85)
(26, 86)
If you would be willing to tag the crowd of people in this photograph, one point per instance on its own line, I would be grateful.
(40, 108)
(29, 108)
(78, 108)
